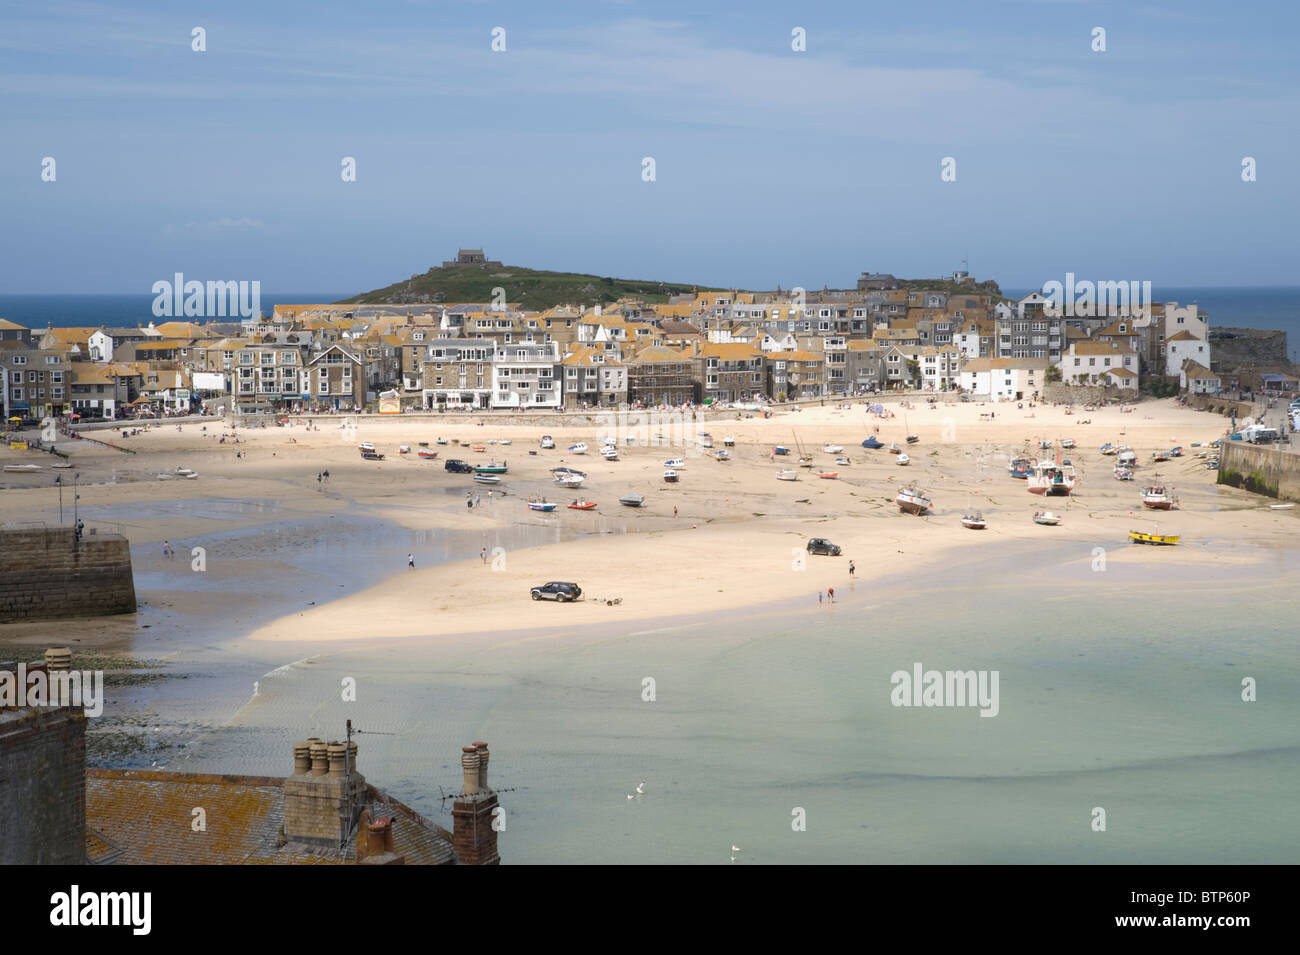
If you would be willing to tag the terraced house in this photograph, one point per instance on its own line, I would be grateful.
(456, 373)
(38, 379)
(731, 372)
(660, 376)
(97, 391)
(593, 378)
(795, 374)
(527, 375)
(337, 378)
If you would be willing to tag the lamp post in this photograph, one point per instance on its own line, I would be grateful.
(58, 479)
(75, 496)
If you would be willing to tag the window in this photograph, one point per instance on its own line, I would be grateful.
(20, 359)
(56, 377)
(245, 357)
(52, 359)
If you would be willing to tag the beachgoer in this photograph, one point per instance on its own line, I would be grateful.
(81, 526)
(830, 593)
(851, 568)
(410, 561)
(819, 596)
(167, 549)
(674, 512)
(469, 503)
(483, 554)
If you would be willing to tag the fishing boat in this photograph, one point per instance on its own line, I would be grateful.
(723, 455)
(787, 475)
(570, 480)
(842, 461)
(1068, 442)
(675, 463)
(872, 443)
(974, 520)
(1044, 445)
(671, 476)
(1046, 517)
(492, 440)
(1127, 457)
(487, 478)
(912, 500)
(544, 506)
(490, 468)
(828, 475)
(1051, 480)
(1157, 498)
(1021, 468)
(1142, 537)
(427, 455)
(582, 506)
(1122, 473)
(780, 449)
(895, 449)
(441, 441)
(547, 442)
(563, 470)
(609, 453)
(706, 440)
(631, 500)
(182, 471)
(578, 448)
(903, 459)
(1109, 449)
(833, 448)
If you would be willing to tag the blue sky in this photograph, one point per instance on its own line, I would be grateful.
(773, 166)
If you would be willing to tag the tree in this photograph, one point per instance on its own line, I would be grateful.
(1053, 374)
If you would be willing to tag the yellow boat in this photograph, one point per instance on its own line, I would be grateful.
(1142, 537)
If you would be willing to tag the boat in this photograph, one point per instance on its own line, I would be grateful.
(828, 475)
(706, 440)
(833, 448)
(780, 449)
(1051, 480)
(872, 442)
(1021, 468)
(403, 449)
(1161, 456)
(670, 476)
(582, 506)
(842, 461)
(675, 463)
(427, 455)
(1046, 517)
(560, 471)
(974, 520)
(488, 478)
(912, 500)
(441, 441)
(1142, 537)
(911, 438)
(1122, 473)
(547, 441)
(787, 475)
(1127, 457)
(895, 449)
(62, 465)
(570, 480)
(609, 453)
(490, 468)
(366, 446)
(1109, 448)
(578, 448)
(372, 455)
(1068, 442)
(631, 500)
(477, 447)
(1157, 498)
(1176, 452)
(805, 459)
(492, 440)
(1271, 507)
(183, 472)
(1044, 445)
(723, 455)
(902, 459)
(544, 506)
(729, 441)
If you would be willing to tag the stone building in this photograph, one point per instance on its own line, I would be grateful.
(471, 257)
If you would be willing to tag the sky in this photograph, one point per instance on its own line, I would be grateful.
(772, 166)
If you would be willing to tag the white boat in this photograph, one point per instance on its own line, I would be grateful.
(403, 449)
(22, 468)
(578, 448)
(723, 455)
(675, 463)
(787, 475)
(842, 461)
(912, 500)
(974, 520)
(184, 472)
(1051, 480)
(570, 480)
(670, 476)
(610, 453)
(1127, 457)
(487, 478)
(1046, 517)
(1157, 498)
(62, 465)
(902, 459)
(547, 441)
(833, 448)
(504, 441)
(366, 446)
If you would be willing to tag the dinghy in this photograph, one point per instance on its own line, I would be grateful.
(582, 505)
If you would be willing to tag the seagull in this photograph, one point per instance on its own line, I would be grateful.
(630, 796)
(640, 789)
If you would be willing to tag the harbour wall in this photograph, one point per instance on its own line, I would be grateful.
(1270, 471)
(47, 574)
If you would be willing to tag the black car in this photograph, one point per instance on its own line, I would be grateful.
(457, 466)
(819, 545)
(557, 590)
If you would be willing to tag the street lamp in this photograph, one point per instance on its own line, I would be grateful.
(58, 479)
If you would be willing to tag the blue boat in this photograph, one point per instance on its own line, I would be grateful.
(1021, 468)
(872, 442)
(542, 506)
(780, 449)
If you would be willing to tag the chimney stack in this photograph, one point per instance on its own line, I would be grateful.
(473, 813)
(320, 795)
(58, 660)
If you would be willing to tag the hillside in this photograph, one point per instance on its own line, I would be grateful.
(533, 289)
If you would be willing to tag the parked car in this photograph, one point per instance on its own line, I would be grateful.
(819, 545)
(559, 590)
(457, 466)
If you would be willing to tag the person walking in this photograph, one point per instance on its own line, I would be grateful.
(674, 511)
(326, 475)
(483, 555)
(851, 569)
(167, 549)
(830, 594)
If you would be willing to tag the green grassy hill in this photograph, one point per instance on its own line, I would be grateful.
(531, 288)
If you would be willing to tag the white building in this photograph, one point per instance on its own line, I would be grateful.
(1182, 346)
(1003, 379)
(527, 375)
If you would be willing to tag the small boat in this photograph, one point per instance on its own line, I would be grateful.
(490, 468)
(895, 449)
(62, 465)
(974, 520)
(544, 506)
(723, 455)
(582, 506)
(842, 461)
(912, 439)
(832, 448)
(492, 440)
(780, 449)
(1021, 468)
(828, 475)
(487, 478)
(1068, 442)
(427, 455)
(441, 441)
(706, 440)
(570, 480)
(1109, 448)
(671, 476)
(675, 463)
(366, 446)
(631, 500)
(547, 442)
(372, 455)
(912, 500)
(578, 448)
(1161, 456)
(1046, 517)
(1176, 452)
(1271, 507)
(1127, 457)
(561, 471)
(477, 447)
(403, 449)
(787, 475)
(1051, 480)
(505, 441)
(1142, 537)
(902, 459)
(1123, 473)
(183, 472)
(1044, 445)
(610, 453)
(729, 441)
(872, 442)
(1157, 498)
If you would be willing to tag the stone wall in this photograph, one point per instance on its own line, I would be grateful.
(1085, 394)
(1233, 348)
(47, 574)
(1271, 471)
(42, 786)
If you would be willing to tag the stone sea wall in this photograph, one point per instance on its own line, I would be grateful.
(47, 574)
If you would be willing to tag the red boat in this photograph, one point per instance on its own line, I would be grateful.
(582, 505)
(427, 455)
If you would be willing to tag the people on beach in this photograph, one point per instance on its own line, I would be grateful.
(167, 549)
(830, 594)
(851, 568)
(410, 561)
(674, 511)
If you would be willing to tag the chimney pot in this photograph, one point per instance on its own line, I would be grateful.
(58, 659)
(482, 765)
(337, 752)
(319, 758)
(469, 762)
(301, 759)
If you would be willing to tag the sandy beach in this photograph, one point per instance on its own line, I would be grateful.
(728, 537)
